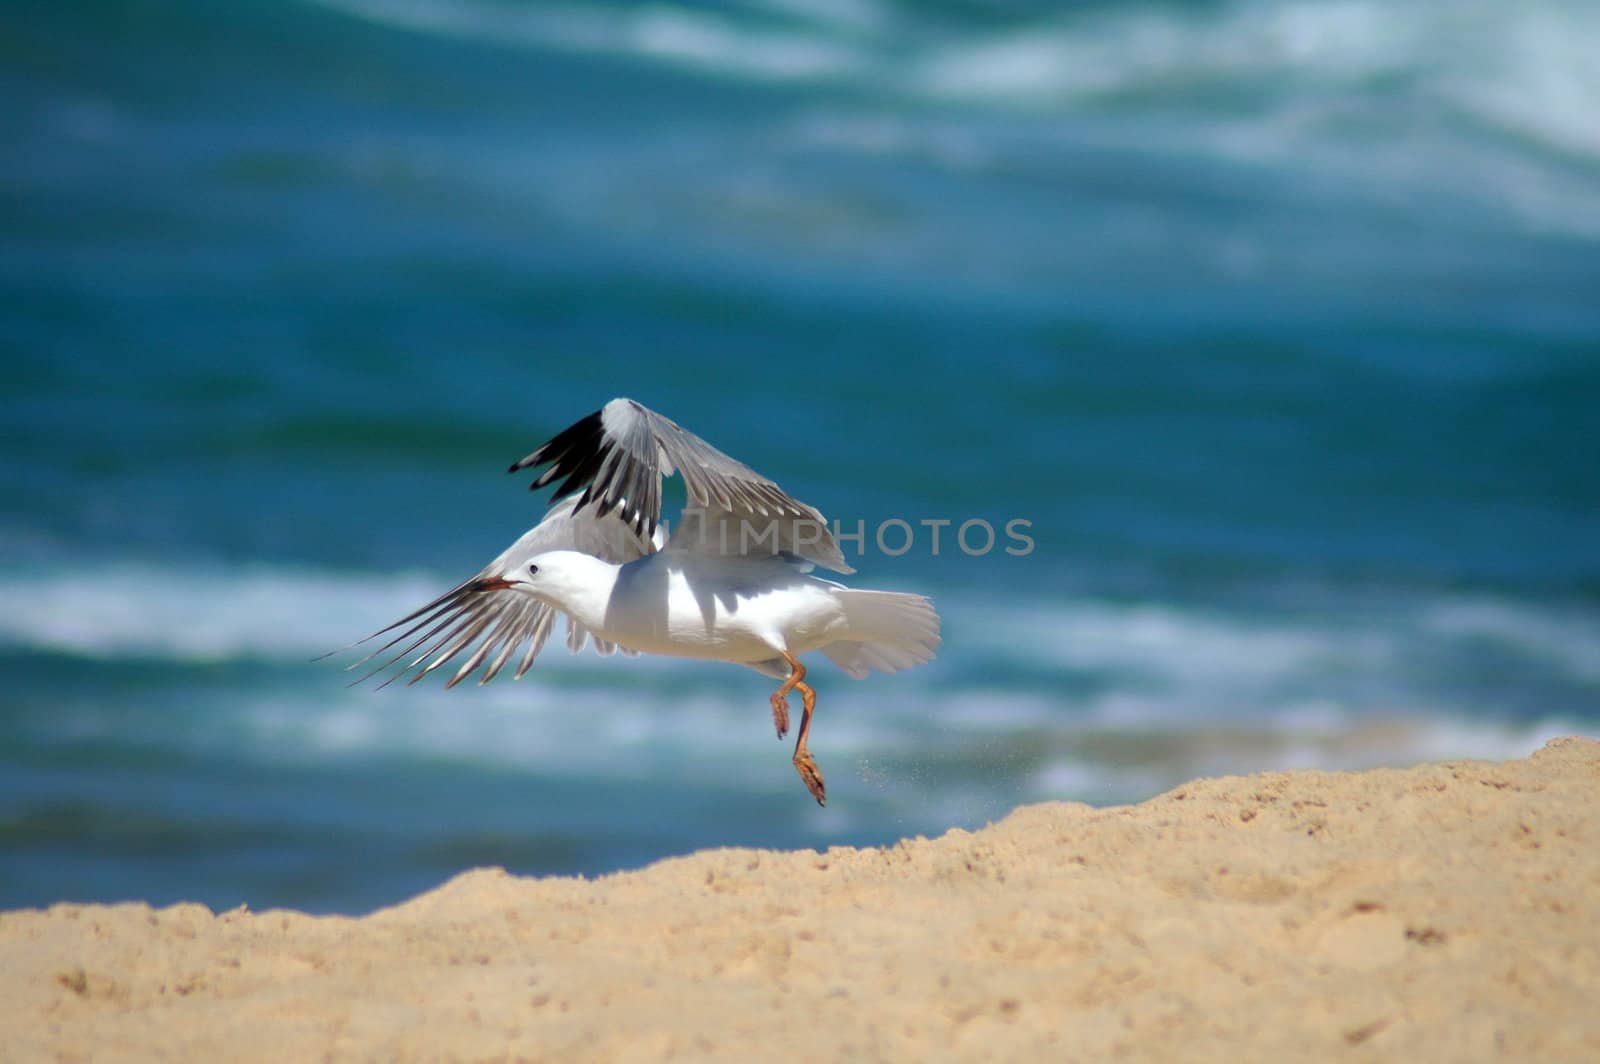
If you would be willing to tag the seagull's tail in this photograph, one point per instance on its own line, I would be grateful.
(888, 630)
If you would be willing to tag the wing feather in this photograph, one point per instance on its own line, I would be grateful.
(619, 454)
(486, 617)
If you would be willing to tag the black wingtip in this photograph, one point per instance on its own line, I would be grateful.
(577, 446)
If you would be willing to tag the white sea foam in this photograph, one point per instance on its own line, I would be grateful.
(195, 615)
(903, 746)
(1462, 105)
(1565, 640)
(1054, 58)
(1084, 772)
(214, 613)
(1525, 68)
(904, 750)
(1139, 48)
(1080, 698)
(682, 36)
(1201, 651)
(205, 613)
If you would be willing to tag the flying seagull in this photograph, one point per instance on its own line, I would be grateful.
(732, 583)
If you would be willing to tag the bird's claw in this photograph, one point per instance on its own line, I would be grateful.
(811, 776)
(780, 715)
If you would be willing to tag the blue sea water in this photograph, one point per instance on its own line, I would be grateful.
(1278, 321)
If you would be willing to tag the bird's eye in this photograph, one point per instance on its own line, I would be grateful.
(532, 569)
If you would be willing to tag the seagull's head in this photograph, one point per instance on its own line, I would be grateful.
(561, 576)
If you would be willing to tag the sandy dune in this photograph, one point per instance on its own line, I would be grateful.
(1445, 912)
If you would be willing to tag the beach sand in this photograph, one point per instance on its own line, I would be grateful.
(1445, 912)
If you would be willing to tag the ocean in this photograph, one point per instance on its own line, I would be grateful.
(1272, 326)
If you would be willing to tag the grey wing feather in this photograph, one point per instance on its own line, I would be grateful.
(485, 613)
(619, 454)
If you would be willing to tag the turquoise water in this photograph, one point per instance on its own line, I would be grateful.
(1277, 321)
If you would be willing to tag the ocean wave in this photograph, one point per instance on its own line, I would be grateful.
(913, 747)
(1453, 104)
(1130, 654)
(1521, 67)
(209, 614)
(1083, 697)
(682, 36)
(1283, 745)
(1563, 641)
(202, 613)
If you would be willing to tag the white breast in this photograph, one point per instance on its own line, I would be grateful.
(741, 610)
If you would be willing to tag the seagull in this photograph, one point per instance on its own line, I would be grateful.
(733, 581)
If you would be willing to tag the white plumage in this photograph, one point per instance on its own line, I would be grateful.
(733, 582)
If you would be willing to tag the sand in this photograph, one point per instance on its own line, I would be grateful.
(1444, 912)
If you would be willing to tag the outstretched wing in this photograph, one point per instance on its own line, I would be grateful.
(619, 454)
(485, 614)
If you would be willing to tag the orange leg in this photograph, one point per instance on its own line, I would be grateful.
(780, 697)
(804, 763)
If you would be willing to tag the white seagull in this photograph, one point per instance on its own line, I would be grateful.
(732, 583)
